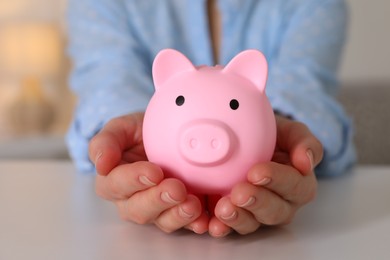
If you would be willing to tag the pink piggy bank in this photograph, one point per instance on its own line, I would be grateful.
(207, 126)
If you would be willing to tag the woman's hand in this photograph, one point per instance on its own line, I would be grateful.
(274, 191)
(137, 187)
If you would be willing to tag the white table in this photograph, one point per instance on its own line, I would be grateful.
(49, 211)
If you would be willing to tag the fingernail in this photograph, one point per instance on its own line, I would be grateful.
(263, 181)
(165, 196)
(197, 229)
(146, 181)
(184, 213)
(310, 156)
(193, 227)
(97, 157)
(248, 203)
(230, 217)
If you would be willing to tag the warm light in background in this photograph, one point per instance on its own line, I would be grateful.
(31, 56)
(30, 50)
(34, 97)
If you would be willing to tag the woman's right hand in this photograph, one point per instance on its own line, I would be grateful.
(137, 187)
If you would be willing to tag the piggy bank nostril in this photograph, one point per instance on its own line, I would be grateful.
(193, 143)
(214, 143)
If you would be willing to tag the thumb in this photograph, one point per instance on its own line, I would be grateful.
(118, 135)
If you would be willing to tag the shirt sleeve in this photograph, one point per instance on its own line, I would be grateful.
(111, 71)
(303, 82)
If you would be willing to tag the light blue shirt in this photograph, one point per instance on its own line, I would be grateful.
(113, 44)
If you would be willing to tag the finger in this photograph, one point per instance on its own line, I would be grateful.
(242, 221)
(145, 206)
(267, 207)
(180, 215)
(201, 224)
(118, 135)
(218, 229)
(127, 179)
(304, 148)
(285, 181)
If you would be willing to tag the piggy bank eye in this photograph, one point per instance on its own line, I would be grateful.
(234, 104)
(180, 100)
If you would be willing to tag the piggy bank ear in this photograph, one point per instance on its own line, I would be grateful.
(252, 65)
(167, 63)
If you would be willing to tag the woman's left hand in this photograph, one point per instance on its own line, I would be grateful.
(274, 191)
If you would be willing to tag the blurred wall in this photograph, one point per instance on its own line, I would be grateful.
(49, 10)
(367, 54)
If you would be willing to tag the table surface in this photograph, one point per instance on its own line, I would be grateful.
(49, 211)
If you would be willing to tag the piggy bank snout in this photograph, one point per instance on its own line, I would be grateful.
(206, 142)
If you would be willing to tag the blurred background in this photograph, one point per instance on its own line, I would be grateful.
(35, 102)
(36, 105)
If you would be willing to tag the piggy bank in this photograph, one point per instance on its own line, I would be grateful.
(207, 126)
